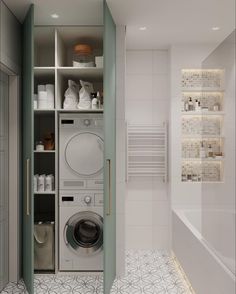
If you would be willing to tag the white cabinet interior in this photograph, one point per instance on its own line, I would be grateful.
(53, 59)
(202, 122)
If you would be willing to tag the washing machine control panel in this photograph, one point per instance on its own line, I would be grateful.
(87, 199)
(81, 200)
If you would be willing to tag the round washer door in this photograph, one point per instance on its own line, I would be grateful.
(84, 233)
(84, 154)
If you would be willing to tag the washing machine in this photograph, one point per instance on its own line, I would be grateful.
(81, 151)
(81, 231)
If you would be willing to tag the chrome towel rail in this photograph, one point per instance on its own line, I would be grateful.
(147, 151)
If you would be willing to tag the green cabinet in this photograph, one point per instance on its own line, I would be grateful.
(110, 150)
(50, 65)
(27, 150)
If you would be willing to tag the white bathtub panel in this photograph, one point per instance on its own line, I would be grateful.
(206, 274)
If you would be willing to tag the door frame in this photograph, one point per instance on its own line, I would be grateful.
(14, 164)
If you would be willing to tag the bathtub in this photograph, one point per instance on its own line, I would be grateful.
(204, 269)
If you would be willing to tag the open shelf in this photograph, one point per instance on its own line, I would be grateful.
(203, 159)
(203, 90)
(81, 110)
(93, 76)
(44, 111)
(44, 43)
(202, 130)
(44, 208)
(88, 73)
(44, 71)
(45, 193)
(68, 37)
(203, 113)
(44, 151)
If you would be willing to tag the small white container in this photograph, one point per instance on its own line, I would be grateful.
(50, 96)
(42, 100)
(49, 183)
(36, 177)
(99, 61)
(35, 101)
(41, 88)
(95, 103)
(41, 183)
(39, 146)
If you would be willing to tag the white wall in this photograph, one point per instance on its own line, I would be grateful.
(147, 101)
(120, 150)
(182, 56)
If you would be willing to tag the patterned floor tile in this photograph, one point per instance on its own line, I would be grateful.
(147, 272)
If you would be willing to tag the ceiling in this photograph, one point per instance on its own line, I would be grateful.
(71, 12)
(167, 21)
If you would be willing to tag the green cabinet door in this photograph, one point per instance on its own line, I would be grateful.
(110, 150)
(27, 150)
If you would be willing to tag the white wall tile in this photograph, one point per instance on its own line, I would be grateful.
(138, 213)
(139, 237)
(139, 111)
(160, 87)
(160, 213)
(147, 102)
(159, 191)
(160, 111)
(139, 87)
(160, 62)
(139, 190)
(161, 237)
(139, 62)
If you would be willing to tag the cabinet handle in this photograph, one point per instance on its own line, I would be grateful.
(109, 187)
(27, 186)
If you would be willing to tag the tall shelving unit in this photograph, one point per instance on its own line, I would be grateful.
(53, 65)
(203, 125)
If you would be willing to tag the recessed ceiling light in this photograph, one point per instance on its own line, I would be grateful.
(143, 28)
(215, 28)
(54, 15)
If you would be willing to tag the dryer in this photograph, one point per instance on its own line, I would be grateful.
(81, 151)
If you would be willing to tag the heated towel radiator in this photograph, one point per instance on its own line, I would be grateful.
(146, 151)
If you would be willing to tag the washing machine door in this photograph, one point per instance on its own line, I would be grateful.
(84, 233)
(84, 154)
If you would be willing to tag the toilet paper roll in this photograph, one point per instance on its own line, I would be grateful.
(42, 100)
(41, 88)
(50, 95)
(35, 101)
(50, 88)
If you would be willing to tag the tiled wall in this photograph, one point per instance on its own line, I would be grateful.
(147, 206)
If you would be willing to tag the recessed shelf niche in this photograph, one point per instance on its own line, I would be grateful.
(202, 125)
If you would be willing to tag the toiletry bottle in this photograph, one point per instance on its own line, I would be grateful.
(99, 99)
(186, 106)
(36, 177)
(199, 106)
(182, 105)
(196, 105)
(41, 183)
(190, 104)
(210, 151)
(202, 152)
